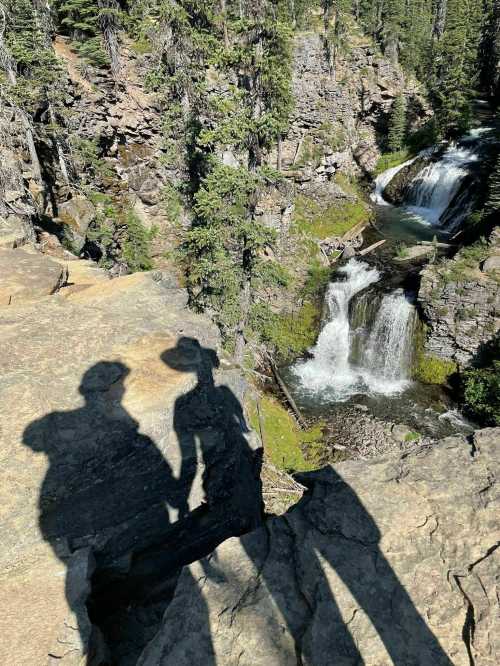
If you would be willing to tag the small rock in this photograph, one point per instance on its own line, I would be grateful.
(400, 432)
(492, 264)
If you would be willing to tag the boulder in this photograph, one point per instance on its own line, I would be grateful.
(492, 264)
(395, 191)
(13, 232)
(388, 561)
(76, 215)
(26, 276)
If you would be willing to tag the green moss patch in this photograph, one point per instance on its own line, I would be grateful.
(412, 437)
(285, 445)
(433, 370)
(391, 160)
(335, 220)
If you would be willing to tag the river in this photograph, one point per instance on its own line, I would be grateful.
(365, 349)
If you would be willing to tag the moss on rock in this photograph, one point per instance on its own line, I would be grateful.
(285, 445)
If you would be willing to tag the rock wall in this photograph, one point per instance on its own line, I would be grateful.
(389, 561)
(461, 306)
(338, 119)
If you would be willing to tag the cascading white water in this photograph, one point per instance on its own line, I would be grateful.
(383, 361)
(437, 184)
(432, 195)
(381, 182)
(389, 349)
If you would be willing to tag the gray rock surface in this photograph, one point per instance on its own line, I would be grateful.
(461, 308)
(115, 447)
(391, 561)
(28, 276)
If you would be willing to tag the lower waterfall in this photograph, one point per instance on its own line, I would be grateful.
(366, 344)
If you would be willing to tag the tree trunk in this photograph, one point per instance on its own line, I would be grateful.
(239, 348)
(439, 18)
(224, 22)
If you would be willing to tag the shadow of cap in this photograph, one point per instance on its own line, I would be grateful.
(101, 376)
(188, 356)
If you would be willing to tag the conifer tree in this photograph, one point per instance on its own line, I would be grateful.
(397, 124)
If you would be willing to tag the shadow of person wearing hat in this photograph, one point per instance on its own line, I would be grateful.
(212, 432)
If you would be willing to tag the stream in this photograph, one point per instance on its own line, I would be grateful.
(364, 353)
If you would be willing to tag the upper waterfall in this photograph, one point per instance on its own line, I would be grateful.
(438, 195)
(354, 354)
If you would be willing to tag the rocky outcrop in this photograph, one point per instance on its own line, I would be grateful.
(388, 561)
(461, 306)
(395, 192)
(124, 454)
(335, 120)
(27, 276)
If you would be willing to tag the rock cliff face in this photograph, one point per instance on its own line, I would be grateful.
(124, 453)
(389, 561)
(461, 305)
(336, 120)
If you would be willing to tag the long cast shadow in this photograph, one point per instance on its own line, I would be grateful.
(108, 488)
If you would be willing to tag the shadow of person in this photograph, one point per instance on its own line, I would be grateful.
(210, 424)
(106, 491)
(343, 573)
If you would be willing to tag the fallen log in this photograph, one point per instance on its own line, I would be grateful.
(372, 247)
(298, 415)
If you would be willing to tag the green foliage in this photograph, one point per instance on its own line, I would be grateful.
(290, 334)
(397, 125)
(412, 436)
(87, 159)
(285, 445)
(466, 261)
(136, 247)
(82, 21)
(310, 218)
(433, 370)
(481, 386)
(390, 160)
(120, 236)
(402, 251)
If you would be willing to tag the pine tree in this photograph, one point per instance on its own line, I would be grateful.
(397, 124)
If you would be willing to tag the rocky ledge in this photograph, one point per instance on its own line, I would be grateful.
(392, 560)
(124, 455)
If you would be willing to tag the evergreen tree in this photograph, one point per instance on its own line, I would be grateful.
(81, 20)
(397, 124)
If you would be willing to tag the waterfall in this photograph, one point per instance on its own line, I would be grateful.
(362, 348)
(439, 195)
(435, 187)
(384, 179)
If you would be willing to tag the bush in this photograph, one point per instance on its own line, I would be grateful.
(433, 370)
(482, 393)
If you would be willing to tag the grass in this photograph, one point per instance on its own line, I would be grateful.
(390, 160)
(465, 262)
(335, 220)
(412, 436)
(285, 445)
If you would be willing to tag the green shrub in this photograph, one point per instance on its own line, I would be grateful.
(482, 393)
(433, 370)
(412, 436)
